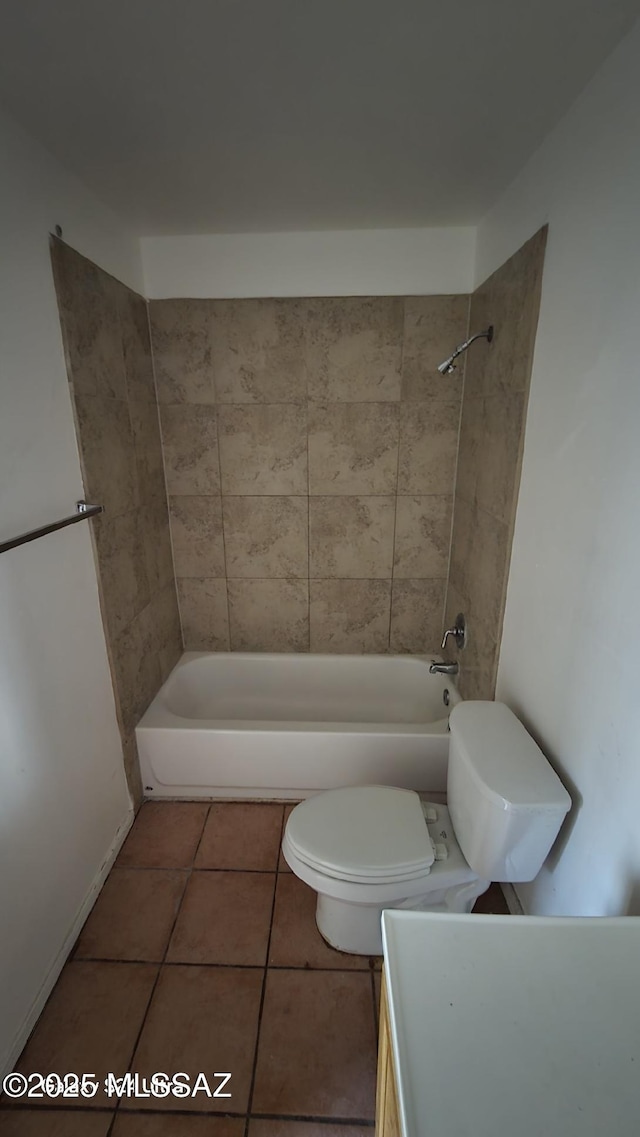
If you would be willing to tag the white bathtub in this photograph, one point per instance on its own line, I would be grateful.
(233, 725)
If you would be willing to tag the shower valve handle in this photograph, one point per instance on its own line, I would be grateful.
(458, 631)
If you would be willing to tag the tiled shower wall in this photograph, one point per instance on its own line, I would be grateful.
(106, 337)
(496, 392)
(310, 454)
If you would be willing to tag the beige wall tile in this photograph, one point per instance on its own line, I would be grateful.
(478, 684)
(263, 449)
(145, 426)
(190, 443)
(196, 535)
(88, 303)
(491, 437)
(136, 668)
(471, 448)
(433, 327)
(136, 344)
(354, 349)
(491, 441)
(157, 541)
(132, 769)
(428, 446)
(351, 537)
(266, 536)
(269, 615)
(168, 634)
(257, 351)
(478, 661)
(417, 609)
(349, 615)
(203, 614)
(181, 338)
(455, 603)
(423, 536)
(479, 561)
(353, 448)
(122, 567)
(106, 334)
(107, 452)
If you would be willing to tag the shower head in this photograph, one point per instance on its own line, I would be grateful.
(447, 366)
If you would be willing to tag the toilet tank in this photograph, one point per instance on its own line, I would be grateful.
(506, 802)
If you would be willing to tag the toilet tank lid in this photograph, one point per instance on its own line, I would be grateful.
(506, 762)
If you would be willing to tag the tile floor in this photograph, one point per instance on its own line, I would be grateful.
(202, 954)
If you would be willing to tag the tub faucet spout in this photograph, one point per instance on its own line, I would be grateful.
(442, 668)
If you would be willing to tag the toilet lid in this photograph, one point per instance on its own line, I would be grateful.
(372, 834)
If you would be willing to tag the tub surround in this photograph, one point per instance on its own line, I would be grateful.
(494, 409)
(310, 450)
(108, 355)
(297, 495)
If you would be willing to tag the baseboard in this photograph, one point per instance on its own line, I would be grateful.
(16, 1048)
(513, 900)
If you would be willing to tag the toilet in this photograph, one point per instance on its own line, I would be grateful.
(366, 848)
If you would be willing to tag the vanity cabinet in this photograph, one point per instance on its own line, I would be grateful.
(387, 1117)
(509, 1025)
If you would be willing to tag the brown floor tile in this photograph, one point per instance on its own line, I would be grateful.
(165, 835)
(54, 1123)
(492, 902)
(241, 835)
(133, 915)
(295, 939)
(282, 864)
(261, 1128)
(163, 1125)
(91, 1021)
(317, 1050)
(224, 918)
(202, 1018)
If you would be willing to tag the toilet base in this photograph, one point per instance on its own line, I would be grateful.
(357, 929)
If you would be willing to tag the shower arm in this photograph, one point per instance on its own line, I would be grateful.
(487, 335)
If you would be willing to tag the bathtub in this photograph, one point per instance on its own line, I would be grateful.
(235, 725)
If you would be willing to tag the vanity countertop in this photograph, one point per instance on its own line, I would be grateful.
(506, 1026)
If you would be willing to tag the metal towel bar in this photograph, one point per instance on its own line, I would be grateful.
(82, 512)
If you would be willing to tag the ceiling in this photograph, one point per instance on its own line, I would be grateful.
(202, 116)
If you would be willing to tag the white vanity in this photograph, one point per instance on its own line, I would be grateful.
(503, 1026)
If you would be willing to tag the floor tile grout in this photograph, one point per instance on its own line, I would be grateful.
(308, 1118)
(154, 841)
(187, 871)
(312, 1118)
(264, 983)
(365, 969)
(187, 875)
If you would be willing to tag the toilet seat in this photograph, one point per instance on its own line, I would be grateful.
(362, 834)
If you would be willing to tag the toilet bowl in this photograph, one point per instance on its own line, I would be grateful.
(366, 848)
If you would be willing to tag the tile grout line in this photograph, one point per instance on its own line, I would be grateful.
(224, 543)
(397, 494)
(234, 966)
(34, 1107)
(187, 875)
(264, 986)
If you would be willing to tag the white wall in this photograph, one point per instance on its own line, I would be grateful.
(570, 659)
(381, 262)
(63, 796)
